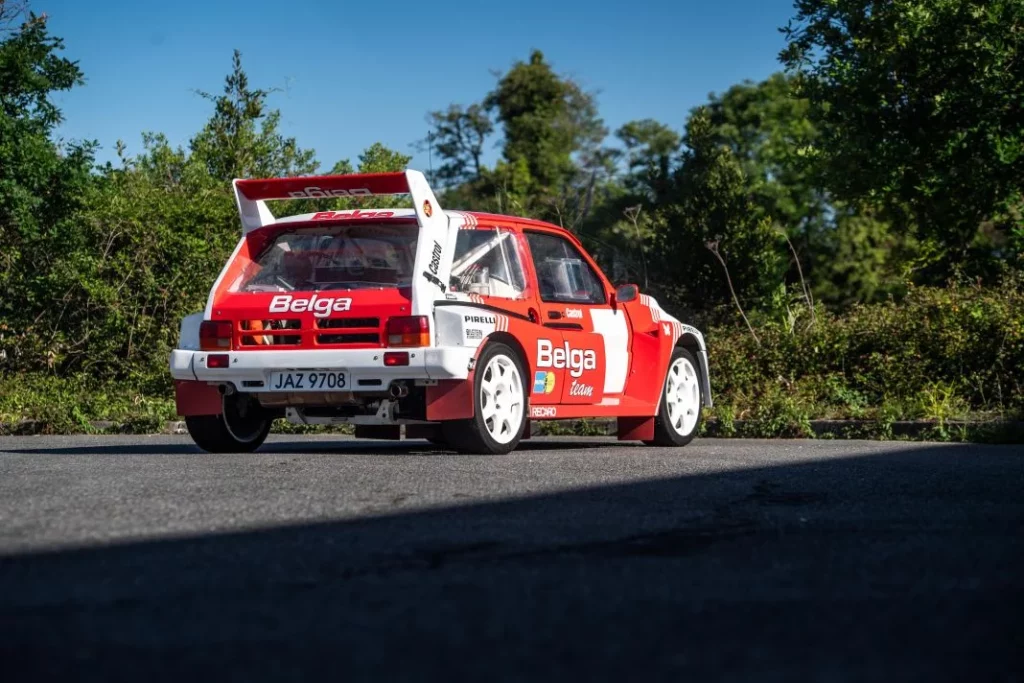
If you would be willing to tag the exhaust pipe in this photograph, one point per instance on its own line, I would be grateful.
(226, 389)
(398, 390)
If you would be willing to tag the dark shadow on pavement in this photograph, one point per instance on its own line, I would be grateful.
(340, 446)
(904, 567)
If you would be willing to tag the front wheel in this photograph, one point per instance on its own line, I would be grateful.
(499, 405)
(242, 426)
(679, 412)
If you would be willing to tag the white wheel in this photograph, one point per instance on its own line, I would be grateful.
(502, 399)
(499, 405)
(678, 416)
(682, 396)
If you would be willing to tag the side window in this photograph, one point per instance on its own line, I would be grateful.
(563, 276)
(487, 262)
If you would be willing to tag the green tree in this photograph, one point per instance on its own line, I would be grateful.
(532, 104)
(650, 150)
(769, 130)
(552, 140)
(920, 110)
(241, 139)
(457, 135)
(848, 252)
(709, 206)
(158, 228)
(43, 185)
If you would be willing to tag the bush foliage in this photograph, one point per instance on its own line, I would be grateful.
(963, 344)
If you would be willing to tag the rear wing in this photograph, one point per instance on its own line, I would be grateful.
(252, 195)
(435, 243)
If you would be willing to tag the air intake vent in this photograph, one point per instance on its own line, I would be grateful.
(347, 323)
(357, 338)
(270, 332)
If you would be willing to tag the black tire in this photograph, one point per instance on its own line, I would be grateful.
(242, 427)
(665, 434)
(473, 435)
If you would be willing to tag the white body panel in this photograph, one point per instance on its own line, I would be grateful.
(614, 330)
(364, 365)
(678, 330)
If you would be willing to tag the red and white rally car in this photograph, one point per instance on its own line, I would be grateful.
(421, 323)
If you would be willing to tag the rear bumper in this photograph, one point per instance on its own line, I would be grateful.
(365, 366)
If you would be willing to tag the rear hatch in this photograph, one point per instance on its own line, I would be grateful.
(320, 285)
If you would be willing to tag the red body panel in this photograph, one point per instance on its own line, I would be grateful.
(358, 185)
(370, 309)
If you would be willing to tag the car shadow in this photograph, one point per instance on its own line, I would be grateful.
(284, 445)
(904, 566)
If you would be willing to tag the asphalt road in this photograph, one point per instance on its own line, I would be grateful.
(140, 558)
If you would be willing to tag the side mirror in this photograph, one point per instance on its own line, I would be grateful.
(626, 293)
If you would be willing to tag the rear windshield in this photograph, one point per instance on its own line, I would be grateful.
(340, 257)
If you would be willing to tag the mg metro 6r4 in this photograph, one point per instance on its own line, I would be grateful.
(457, 327)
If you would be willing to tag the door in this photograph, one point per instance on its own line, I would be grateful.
(574, 301)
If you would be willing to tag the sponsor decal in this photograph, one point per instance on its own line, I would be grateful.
(434, 266)
(580, 389)
(474, 333)
(428, 211)
(480, 319)
(320, 307)
(574, 313)
(433, 279)
(335, 215)
(543, 382)
(317, 193)
(435, 258)
(576, 360)
(543, 411)
(652, 305)
(666, 328)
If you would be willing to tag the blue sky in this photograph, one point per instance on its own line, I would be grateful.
(355, 73)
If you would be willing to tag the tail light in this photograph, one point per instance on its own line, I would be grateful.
(215, 335)
(411, 330)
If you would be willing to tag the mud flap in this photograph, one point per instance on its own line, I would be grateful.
(196, 398)
(450, 399)
(636, 429)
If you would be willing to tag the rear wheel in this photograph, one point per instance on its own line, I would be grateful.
(499, 405)
(242, 427)
(679, 412)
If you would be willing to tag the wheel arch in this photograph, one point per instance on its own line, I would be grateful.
(695, 345)
(514, 344)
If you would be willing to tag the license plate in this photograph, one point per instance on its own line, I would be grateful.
(309, 380)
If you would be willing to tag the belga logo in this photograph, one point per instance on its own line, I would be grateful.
(577, 360)
(321, 308)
